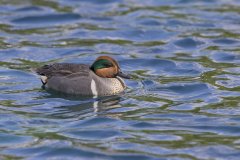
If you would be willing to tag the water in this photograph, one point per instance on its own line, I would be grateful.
(183, 103)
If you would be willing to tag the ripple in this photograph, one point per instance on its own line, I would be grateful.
(149, 22)
(98, 121)
(225, 41)
(101, 2)
(51, 149)
(8, 140)
(29, 8)
(232, 83)
(157, 64)
(47, 19)
(91, 135)
(184, 91)
(226, 57)
(188, 43)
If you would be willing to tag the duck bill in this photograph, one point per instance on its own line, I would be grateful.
(123, 75)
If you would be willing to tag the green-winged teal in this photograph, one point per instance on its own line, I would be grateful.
(99, 79)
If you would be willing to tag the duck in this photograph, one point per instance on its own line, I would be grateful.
(102, 78)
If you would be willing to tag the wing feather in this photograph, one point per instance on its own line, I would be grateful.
(63, 69)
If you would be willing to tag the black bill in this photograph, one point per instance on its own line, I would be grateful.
(123, 75)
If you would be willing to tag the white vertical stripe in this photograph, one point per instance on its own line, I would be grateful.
(95, 94)
(94, 89)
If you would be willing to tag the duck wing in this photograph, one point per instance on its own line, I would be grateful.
(67, 78)
(63, 69)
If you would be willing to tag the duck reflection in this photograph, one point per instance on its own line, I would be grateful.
(85, 106)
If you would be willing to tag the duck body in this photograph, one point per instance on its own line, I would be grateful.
(81, 79)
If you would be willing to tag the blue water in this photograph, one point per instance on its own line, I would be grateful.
(182, 103)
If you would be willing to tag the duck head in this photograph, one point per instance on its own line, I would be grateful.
(107, 67)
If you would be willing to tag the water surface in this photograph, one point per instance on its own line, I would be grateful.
(182, 104)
